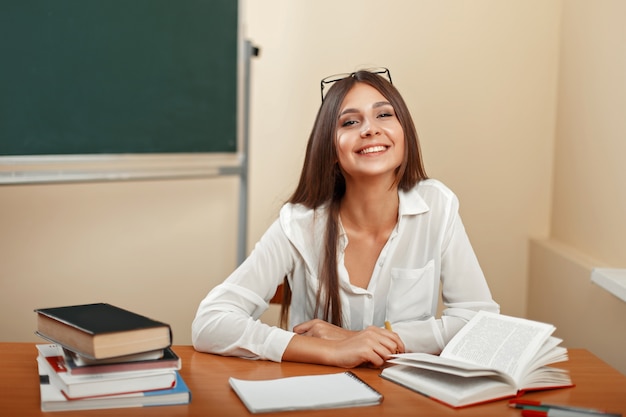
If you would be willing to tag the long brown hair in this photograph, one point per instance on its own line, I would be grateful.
(322, 182)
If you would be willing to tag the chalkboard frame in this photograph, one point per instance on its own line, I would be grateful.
(124, 165)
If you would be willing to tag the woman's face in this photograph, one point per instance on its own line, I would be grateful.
(370, 139)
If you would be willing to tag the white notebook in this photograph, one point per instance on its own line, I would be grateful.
(308, 392)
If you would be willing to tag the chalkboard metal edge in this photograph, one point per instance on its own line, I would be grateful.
(40, 169)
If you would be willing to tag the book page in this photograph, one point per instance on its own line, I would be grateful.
(449, 366)
(550, 353)
(501, 342)
(453, 390)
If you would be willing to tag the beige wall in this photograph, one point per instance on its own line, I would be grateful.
(589, 198)
(152, 246)
(481, 78)
(589, 169)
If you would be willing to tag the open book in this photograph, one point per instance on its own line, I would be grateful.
(306, 392)
(492, 357)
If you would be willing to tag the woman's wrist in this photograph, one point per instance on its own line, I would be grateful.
(310, 350)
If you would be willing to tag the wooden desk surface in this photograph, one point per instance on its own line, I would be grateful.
(597, 385)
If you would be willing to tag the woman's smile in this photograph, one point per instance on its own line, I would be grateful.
(373, 149)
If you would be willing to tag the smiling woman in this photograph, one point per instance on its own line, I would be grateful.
(366, 238)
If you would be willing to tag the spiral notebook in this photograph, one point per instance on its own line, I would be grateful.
(307, 392)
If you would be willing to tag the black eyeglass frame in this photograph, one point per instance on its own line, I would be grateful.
(337, 77)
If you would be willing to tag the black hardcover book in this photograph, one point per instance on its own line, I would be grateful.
(101, 330)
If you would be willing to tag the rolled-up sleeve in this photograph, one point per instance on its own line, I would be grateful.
(227, 320)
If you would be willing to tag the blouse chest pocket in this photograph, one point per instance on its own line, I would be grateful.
(411, 293)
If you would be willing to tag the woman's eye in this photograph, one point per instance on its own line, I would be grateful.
(348, 123)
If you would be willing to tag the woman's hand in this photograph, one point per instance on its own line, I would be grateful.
(323, 330)
(327, 344)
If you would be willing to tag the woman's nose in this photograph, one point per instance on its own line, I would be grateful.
(369, 128)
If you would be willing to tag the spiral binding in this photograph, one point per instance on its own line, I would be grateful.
(356, 377)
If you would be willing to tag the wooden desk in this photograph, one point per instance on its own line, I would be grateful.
(597, 385)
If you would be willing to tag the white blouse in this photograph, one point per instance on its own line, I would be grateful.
(428, 247)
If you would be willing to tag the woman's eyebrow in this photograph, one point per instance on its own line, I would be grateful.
(374, 106)
(381, 103)
(348, 110)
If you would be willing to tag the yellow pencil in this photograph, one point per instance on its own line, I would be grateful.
(388, 327)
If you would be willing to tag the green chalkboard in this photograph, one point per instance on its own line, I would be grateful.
(118, 76)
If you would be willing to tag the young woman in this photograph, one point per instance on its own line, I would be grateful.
(366, 239)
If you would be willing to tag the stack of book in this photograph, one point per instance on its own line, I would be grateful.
(102, 356)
